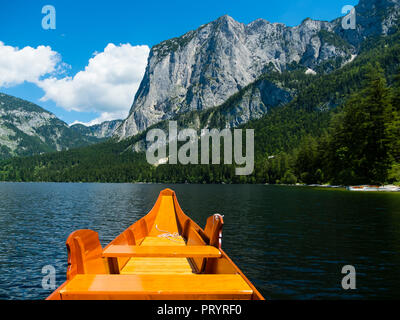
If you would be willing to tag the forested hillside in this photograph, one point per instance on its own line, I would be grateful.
(26, 129)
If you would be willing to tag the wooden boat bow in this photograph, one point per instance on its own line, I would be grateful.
(164, 255)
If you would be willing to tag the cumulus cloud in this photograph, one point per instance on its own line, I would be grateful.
(27, 64)
(106, 86)
(105, 116)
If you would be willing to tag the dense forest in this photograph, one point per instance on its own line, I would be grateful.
(342, 127)
(362, 144)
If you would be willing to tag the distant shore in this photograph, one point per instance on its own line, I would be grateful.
(320, 186)
(368, 188)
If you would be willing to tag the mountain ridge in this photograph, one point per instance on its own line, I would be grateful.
(204, 67)
(210, 70)
(27, 129)
(101, 130)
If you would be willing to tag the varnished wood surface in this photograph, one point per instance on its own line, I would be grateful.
(157, 266)
(203, 286)
(162, 251)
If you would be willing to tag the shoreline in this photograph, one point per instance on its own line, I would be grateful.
(316, 186)
(362, 188)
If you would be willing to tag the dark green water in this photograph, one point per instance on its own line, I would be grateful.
(290, 242)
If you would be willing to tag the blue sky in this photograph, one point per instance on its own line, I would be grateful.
(85, 27)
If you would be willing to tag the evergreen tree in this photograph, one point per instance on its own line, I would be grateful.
(393, 125)
(307, 162)
(360, 140)
(396, 92)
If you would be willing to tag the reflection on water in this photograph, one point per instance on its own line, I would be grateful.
(291, 242)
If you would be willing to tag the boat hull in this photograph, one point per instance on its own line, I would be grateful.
(165, 255)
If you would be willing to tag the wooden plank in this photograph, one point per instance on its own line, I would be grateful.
(162, 251)
(202, 286)
(157, 266)
(161, 241)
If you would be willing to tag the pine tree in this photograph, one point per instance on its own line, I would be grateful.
(360, 142)
(396, 92)
(393, 123)
(306, 162)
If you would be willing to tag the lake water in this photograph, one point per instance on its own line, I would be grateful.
(291, 242)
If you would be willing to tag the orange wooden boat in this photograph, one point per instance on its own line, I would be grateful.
(164, 255)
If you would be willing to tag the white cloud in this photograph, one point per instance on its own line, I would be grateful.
(27, 64)
(105, 116)
(107, 85)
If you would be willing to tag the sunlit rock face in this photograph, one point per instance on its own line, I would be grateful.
(204, 67)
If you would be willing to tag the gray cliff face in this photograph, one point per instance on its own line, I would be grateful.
(203, 68)
(101, 131)
(254, 102)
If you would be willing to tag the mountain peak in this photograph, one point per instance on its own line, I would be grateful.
(258, 23)
(226, 23)
(225, 17)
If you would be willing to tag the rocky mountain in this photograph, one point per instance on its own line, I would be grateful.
(27, 129)
(205, 67)
(101, 131)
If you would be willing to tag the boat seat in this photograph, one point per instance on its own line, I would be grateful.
(162, 251)
(176, 287)
(84, 253)
(158, 265)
